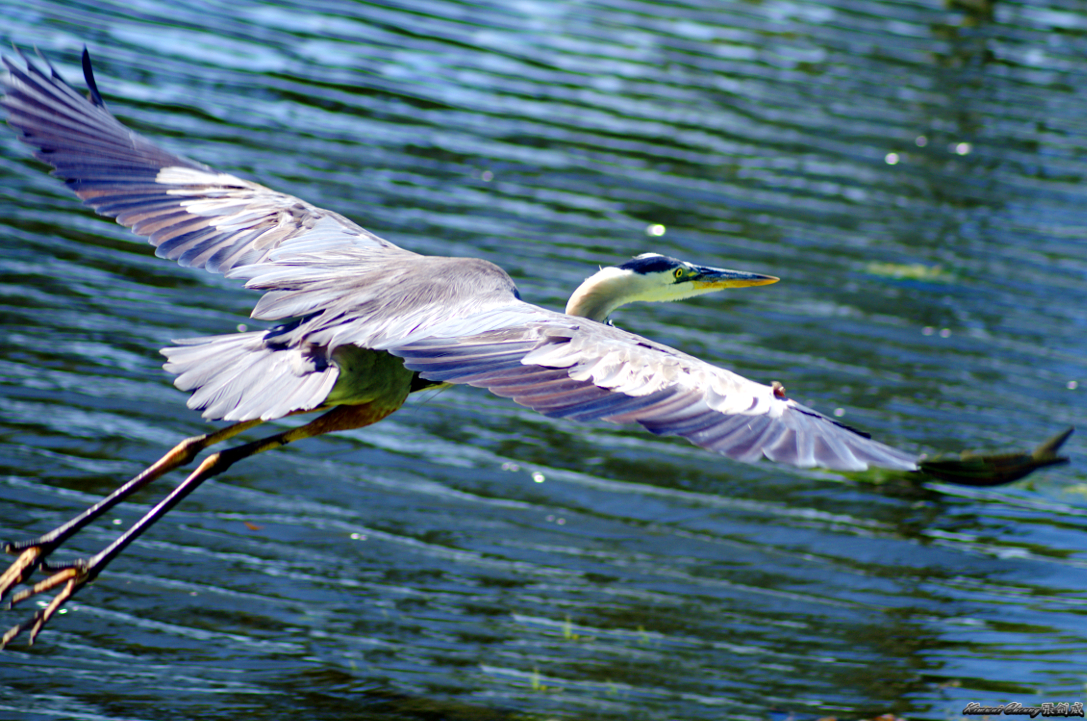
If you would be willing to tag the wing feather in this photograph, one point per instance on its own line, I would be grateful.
(575, 368)
(189, 212)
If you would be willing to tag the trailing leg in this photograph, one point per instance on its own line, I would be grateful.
(75, 575)
(34, 552)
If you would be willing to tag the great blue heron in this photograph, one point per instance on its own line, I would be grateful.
(365, 323)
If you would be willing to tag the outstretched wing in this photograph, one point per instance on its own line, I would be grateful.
(189, 212)
(568, 367)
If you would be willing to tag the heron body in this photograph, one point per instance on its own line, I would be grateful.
(328, 351)
(363, 323)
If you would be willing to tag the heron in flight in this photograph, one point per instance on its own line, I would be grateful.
(364, 323)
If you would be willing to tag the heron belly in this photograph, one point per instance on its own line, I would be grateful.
(370, 377)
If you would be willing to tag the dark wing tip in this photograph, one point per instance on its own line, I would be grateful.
(995, 469)
(88, 76)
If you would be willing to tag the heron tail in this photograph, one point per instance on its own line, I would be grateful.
(244, 376)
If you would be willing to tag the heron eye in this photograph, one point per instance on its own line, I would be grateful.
(678, 273)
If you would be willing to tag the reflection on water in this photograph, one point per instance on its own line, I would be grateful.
(913, 172)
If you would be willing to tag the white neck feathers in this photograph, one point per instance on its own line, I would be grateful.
(612, 287)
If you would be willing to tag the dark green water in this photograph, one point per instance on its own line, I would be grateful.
(469, 559)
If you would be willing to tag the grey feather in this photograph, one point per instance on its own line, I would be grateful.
(247, 375)
(188, 211)
(564, 376)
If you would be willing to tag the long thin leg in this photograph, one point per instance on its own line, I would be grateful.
(76, 575)
(32, 553)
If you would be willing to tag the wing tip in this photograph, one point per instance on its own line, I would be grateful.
(88, 76)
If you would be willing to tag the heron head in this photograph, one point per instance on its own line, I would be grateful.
(653, 278)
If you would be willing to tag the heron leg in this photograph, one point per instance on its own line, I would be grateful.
(74, 576)
(32, 553)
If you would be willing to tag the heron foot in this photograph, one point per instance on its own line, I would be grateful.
(30, 557)
(73, 578)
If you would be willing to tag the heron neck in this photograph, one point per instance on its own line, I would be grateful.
(601, 294)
